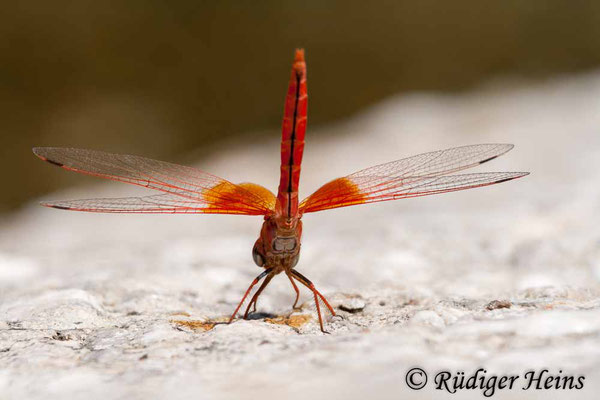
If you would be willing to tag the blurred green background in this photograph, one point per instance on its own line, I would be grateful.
(172, 79)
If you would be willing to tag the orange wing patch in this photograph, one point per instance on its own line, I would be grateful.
(340, 192)
(245, 198)
(421, 175)
(262, 192)
(185, 189)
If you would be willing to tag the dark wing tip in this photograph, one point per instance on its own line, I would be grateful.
(42, 153)
(506, 148)
(59, 207)
(515, 176)
(54, 205)
(488, 159)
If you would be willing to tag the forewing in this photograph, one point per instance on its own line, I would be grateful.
(420, 175)
(184, 185)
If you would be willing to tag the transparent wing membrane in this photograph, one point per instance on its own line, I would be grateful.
(420, 175)
(156, 204)
(187, 189)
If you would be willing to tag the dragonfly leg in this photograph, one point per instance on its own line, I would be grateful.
(306, 282)
(258, 292)
(254, 282)
(296, 289)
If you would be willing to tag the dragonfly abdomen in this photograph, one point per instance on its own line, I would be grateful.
(292, 139)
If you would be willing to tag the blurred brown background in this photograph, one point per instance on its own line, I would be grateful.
(172, 79)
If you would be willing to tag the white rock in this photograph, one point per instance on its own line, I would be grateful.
(427, 318)
(87, 302)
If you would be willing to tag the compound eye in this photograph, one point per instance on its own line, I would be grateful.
(257, 257)
(295, 260)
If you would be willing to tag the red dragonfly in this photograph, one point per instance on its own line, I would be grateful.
(188, 190)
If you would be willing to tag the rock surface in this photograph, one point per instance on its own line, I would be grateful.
(506, 278)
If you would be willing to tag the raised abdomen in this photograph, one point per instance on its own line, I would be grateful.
(292, 139)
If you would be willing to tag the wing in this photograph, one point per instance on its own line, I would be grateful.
(420, 175)
(186, 189)
(155, 204)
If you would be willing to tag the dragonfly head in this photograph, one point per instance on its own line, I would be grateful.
(277, 247)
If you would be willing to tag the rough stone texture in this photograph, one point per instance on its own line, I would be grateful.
(506, 277)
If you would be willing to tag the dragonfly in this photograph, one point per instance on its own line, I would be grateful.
(277, 250)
